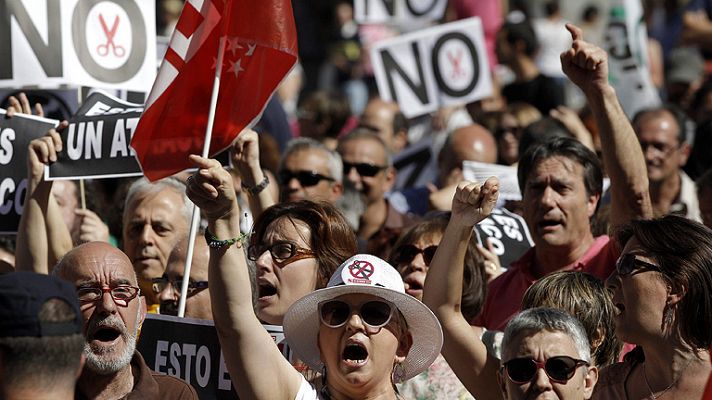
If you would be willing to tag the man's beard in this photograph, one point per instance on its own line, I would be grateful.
(108, 361)
(352, 204)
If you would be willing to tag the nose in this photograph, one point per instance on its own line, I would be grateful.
(352, 175)
(548, 197)
(418, 263)
(107, 305)
(168, 293)
(541, 381)
(264, 262)
(147, 234)
(355, 323)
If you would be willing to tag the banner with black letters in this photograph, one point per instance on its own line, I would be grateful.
(394, 11)
(96, 142)
(434, 67)
(508, 234)
(109, 44)
(16, 133)
(189, 349)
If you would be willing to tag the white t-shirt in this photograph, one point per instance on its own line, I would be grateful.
(307, 391)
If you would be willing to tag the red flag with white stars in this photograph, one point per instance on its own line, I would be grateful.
(260, 41)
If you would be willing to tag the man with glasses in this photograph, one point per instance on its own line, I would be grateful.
(545, 352)
(113, 310)
(661, 132)
(309, 171)
(368, 171)
(168, 286)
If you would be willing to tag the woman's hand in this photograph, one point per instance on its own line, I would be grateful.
(473, 202)
(211, 188)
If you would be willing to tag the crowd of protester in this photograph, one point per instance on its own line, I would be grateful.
(383, 287)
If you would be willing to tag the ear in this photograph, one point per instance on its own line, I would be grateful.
(390, 179)
(400, 141)
(404, 344)
(337, 189)
(82, 361)
(598, 338)
(589, 382)
(675, 293)
(591, 204)
(502, 382)
(684, 152)
(141, 309)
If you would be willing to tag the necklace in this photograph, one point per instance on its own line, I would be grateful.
(652, 394)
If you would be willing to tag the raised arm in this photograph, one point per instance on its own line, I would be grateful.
(42, 237)
(462, 348)
(245, 155)
(255, 363)
(586, 65)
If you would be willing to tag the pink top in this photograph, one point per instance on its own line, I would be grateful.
(490, 12)
(505, 293)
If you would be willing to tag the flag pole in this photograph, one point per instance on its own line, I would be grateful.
(206, 150)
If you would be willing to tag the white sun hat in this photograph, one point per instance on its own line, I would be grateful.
(365, 274)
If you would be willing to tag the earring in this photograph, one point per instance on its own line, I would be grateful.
(398, 375)
(668, 316)
(325, 394)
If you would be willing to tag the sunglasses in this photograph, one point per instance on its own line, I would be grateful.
(375, 314)
(305, 178)
(627, 264)
(406, 253)
(159, 284)
(282, 253)
(559, 369)
(363, 169)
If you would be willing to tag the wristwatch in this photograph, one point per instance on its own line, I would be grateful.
(255, 190)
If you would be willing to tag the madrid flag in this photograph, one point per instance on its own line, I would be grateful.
(260, 47)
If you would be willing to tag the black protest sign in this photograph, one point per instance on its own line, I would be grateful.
(434, 67)
(16, 133)
(508, 234)
(189, 349)
(96, 142)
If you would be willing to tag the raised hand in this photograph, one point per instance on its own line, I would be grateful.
(211, 188)
(21, 105)
(585, 64)
(245, 156)
(473, 202)
(43, 151)
(91, 228)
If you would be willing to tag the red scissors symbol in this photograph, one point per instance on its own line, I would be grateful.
(103, 49)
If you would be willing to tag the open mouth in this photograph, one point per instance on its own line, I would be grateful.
(413, 286)
(354, 354)
(106, 334)
(550, 223)
(266, 290)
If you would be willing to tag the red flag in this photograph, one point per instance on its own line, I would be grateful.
(260, 48)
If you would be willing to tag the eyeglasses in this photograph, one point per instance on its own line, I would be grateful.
(159, 284)
(363, 169)
(406, 253)
(120, 293)
(627, 264)
(282, 253)
(305, 178)
(661, 148)
(559, 369)
(375, 314)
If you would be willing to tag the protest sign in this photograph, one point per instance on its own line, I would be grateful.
(628, 67)
(508, 234)
(96, 142)
(16, 133)
(435, 67)
(385, 11)
(189, 349)
(97, 43)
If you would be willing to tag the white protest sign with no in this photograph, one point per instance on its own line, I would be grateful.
(99, 43)
(435, 67)
(382, 11)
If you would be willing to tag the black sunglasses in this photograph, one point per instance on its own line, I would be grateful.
(158, 284)
(363, 169)
(375, 314)
(406, 253)
(627, 264)
(305, 178)
(559, 369)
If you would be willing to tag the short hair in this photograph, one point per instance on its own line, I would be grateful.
(521, 32)
(328, 104)
(541, 130)
(563, 147)
(332, 239)
(43, 361)
(400, 122)
(333, 159)
(677, 114)
(547, 319)
(366, 133)
(474, 280)
(143, 186)
(683, 250)
(585, 296)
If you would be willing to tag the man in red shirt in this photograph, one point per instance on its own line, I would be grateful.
(561, 183)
